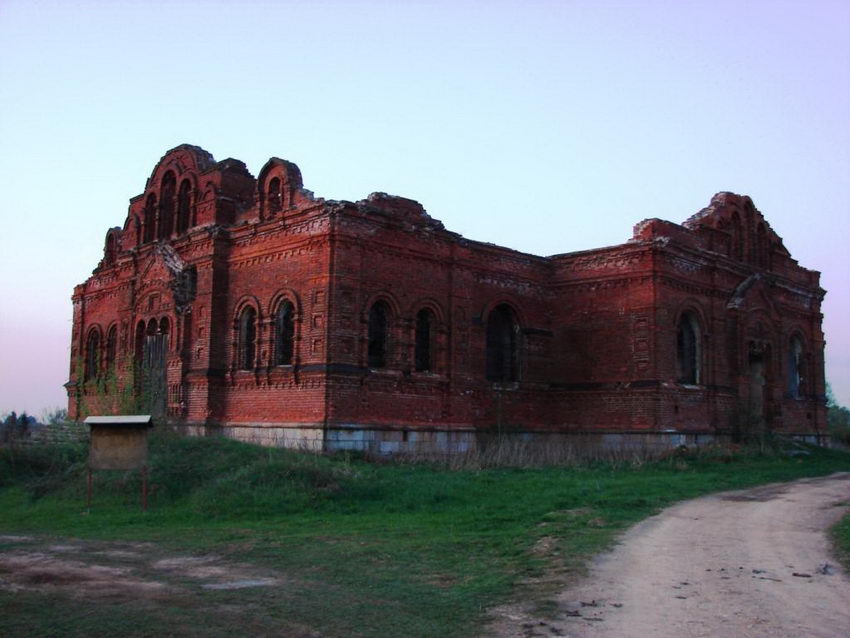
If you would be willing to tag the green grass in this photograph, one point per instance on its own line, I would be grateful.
(368, 549)
(841, 540)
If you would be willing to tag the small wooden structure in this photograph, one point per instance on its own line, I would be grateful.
(119, 443)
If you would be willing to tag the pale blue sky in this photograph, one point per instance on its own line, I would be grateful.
(544, 126)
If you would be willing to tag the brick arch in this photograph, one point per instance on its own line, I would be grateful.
(691, 304)
(112, 245)
(431, 304)
(515, 307)
(247, 300)
(290, 181)
(181, 159)
(382, 295)
(285, 294)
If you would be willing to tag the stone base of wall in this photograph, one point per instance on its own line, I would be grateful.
(400, 440)
(302, 437)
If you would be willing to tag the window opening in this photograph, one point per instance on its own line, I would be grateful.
(274, 195)
(150, 218)
(502, 359)
(795, 368)
(378, 334)
(92, 355)
(166, 206)
(111, 347)
(284, 334)
(247, 338)
(423, 352)
(687, 349)
(183, 204)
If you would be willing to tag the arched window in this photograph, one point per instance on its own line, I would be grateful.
(423, 354)
(274, 196)
(688, 349)
(247, 344)
(762, 247)
(139, 350)
(502, 345)
(284, 334)
(110, 249)
(92, 368)
(379, 321)
(737, 237)
(795, 368)
(166, 205)
(164, 327)
(184, 200)
(150, 218)
(111, 348)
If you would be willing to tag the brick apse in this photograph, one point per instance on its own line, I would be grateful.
(252, 307)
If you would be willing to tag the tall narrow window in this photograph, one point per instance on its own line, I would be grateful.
(502, 341)
(284, 335)
(423, 355)
(166, 205)
(139, 349)
(274, 196)
(737, 237)
(795, 368)
(110, 249)
(150, 218)
(379, 315)
(92, 355)
(164, 327)
(762, 247)
(184, 199)
(688, 349)
(247, 338)
(111, 348)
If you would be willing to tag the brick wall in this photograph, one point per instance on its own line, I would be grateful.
(597, 332)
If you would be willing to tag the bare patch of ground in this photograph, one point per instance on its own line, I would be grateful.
(118, 570)
(742, 564)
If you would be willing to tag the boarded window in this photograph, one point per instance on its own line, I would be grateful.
(424, 348)
(284, 335)
(247, 338)
(502, 341)
(688, 349)
(92, 367)
(379, 315)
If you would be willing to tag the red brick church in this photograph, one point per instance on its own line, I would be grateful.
(250, 306)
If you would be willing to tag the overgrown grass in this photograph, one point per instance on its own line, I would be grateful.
(372, 549)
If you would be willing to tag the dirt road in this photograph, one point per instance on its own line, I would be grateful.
(753, 563)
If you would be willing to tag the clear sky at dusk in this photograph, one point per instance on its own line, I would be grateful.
(548, 127)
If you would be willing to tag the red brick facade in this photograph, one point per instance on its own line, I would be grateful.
(293, 319)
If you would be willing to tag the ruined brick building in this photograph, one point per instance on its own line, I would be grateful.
(250, 305)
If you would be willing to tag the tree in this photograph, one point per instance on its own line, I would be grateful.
(837, 418)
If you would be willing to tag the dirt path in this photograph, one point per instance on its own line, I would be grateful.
(737, 564)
